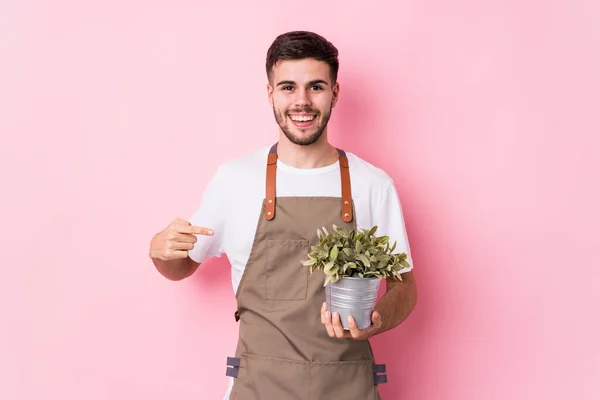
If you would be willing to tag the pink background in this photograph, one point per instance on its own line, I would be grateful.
(111, 115)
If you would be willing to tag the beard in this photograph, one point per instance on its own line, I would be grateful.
(286, 126)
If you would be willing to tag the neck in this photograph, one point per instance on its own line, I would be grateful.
(316, 155)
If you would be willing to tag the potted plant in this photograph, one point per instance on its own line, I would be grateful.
(354, 264)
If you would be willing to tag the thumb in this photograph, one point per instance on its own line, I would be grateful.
(376, 318)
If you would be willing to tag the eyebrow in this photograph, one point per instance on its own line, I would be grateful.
(316, 81)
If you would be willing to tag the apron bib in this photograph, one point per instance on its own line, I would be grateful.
(284, 351)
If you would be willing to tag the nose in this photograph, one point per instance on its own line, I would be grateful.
(302, 98)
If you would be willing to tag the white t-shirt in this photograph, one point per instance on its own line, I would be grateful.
(232, 201)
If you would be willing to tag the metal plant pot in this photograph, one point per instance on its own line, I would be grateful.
(353, 296)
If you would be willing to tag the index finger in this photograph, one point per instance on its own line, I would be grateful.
(198, 230)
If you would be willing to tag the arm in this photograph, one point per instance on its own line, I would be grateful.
(400, 296)
(398, 301)
(178, 250)
(176, 270)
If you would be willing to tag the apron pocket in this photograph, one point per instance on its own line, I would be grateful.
(262, 378)
(286, 277)
(347, 380)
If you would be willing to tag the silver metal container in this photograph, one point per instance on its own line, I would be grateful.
(353, 296)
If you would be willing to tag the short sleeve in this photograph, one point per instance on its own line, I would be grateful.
(390, 222)
(209, 214)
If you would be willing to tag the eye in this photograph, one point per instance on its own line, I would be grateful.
(317, 87)
(287, 88)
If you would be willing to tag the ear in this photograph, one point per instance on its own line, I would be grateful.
(336, 93)
(270, 93)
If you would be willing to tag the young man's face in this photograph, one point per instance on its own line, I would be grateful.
(302, 95)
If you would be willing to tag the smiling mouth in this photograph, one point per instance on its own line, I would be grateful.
(302, 120)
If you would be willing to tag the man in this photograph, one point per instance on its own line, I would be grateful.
(284, 350)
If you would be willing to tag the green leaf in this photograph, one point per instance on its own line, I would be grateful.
(328, 267)
(308, 263)
(344, 268)
(333, 255)
(364, 260)
(359, 247)
(340, 231)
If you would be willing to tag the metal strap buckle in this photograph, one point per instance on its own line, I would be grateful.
(379, 369)
(233, 367)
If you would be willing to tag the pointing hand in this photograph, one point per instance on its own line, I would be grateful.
(176, 240)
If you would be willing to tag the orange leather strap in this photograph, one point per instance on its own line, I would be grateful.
(270, 186)
(347, 208)
(346, 189)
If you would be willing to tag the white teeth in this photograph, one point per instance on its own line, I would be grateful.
(302, 118)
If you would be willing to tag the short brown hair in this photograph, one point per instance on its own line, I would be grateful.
(298, 45)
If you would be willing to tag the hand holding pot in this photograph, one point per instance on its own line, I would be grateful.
(335, 329)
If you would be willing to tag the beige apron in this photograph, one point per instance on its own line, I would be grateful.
(284, 352)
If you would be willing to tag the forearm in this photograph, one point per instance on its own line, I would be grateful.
(176, 270)
(397, 302)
